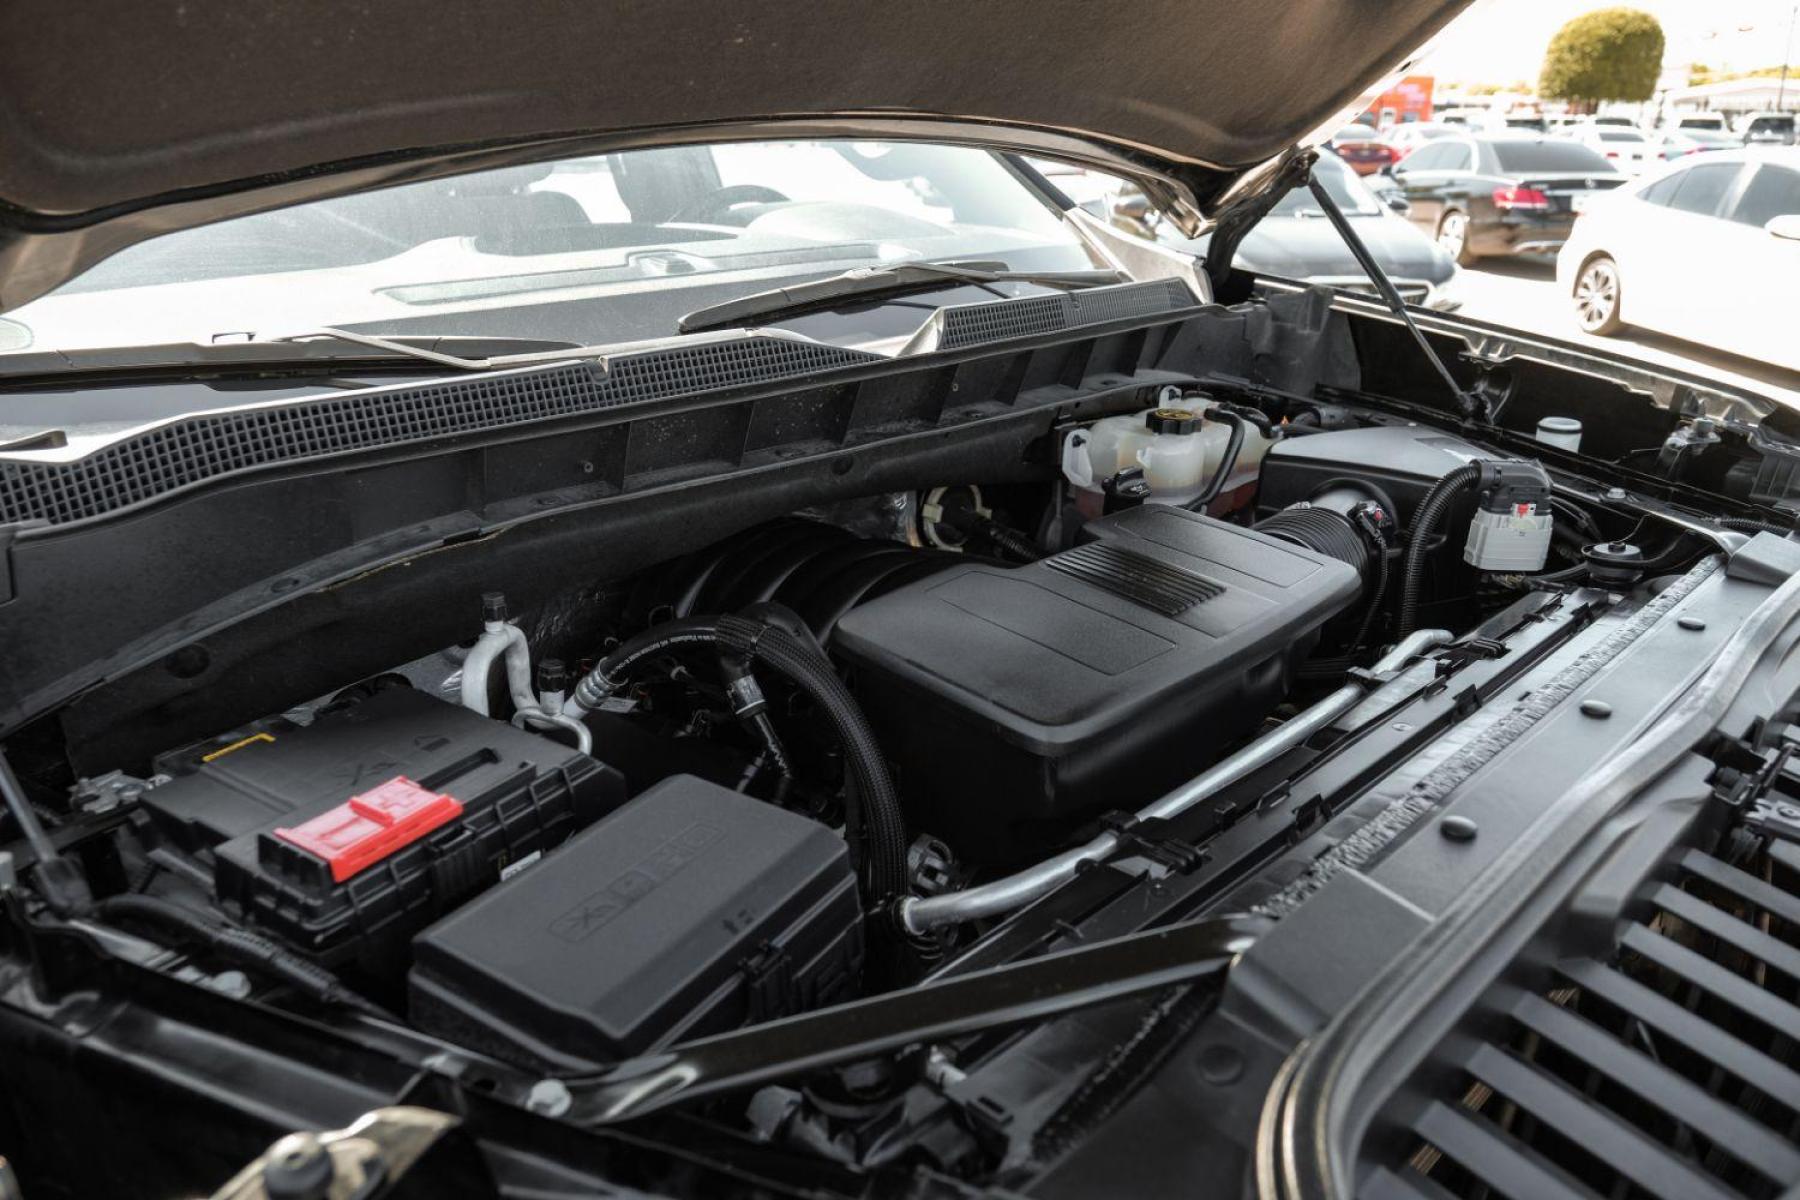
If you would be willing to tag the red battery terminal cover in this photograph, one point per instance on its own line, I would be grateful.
(366, 829)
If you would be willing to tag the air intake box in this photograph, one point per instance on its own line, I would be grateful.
(1017, 703)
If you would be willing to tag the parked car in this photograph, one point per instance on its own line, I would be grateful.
(1706, 249)
(1499, 194)
(1675, 143)
(624, 602)
(1407, 138)
(1626, 149)
(1364, 149)
(1768, 129)
(1296, 242)
(1711, 121)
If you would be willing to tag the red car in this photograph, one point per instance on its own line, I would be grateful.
(1361, 146)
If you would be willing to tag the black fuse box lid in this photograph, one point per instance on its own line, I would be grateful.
(692, 910)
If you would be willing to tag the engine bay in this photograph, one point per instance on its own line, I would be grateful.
(874, 745)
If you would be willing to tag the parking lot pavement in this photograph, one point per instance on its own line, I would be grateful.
(1522, 292)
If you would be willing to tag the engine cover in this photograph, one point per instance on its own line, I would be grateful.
(1017, 702)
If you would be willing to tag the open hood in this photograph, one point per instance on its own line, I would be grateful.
(163, 114)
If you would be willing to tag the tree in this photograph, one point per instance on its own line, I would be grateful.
(1608, 54)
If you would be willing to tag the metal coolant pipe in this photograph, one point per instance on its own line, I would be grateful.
(923, 914)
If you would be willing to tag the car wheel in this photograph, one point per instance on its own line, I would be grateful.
(1597, 296)
(1453, 236)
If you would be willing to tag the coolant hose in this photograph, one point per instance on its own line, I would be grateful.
(1425, 522)
(1226, 462)
(239, 946)
(876, 827)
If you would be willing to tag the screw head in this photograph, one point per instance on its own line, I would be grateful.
(298, 1167)
(549, 1097)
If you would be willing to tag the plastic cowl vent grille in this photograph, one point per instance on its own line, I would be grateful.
(975, 324)
(194, 449)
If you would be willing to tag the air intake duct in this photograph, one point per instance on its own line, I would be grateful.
(1322, 530)
(1348, 524)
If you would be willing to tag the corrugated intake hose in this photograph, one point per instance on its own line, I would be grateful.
(239, 946)
(1418, 539)
(876, 829)
(1321, 530)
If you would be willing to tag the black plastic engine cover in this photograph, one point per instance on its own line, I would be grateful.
(1016, 703)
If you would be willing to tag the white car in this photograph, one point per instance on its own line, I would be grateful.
(1407, 138)
(1707, 249)
(1627, 149)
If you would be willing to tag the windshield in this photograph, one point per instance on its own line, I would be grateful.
(598, 249)
(1549, 156)
(1351, 194)
(1619, 135)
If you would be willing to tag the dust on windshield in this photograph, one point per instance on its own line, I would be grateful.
(634, 237)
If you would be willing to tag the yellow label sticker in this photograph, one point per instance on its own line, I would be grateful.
(222, 751)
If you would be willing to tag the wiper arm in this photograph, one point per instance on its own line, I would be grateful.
(496, 348)
(876, 281)
(1470, 405)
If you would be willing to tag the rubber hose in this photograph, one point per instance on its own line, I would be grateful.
(239, 946)
(875, 804)
(1752, 525)
(1217, 483)
(777, 754)
(876, 825)
(610, 674)
(1425, 521)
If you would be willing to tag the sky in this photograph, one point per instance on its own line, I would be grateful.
(1498, 41)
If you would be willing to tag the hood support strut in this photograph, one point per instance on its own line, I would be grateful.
(1010, 994)
(1471, 406)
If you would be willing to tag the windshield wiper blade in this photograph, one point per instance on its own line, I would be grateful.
(897, 279)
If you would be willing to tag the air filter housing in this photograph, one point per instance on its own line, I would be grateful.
(1017, 703)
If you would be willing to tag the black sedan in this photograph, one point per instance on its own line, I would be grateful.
(1295, 241)
(1498, 195)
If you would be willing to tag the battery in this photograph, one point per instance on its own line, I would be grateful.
(347, 836)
